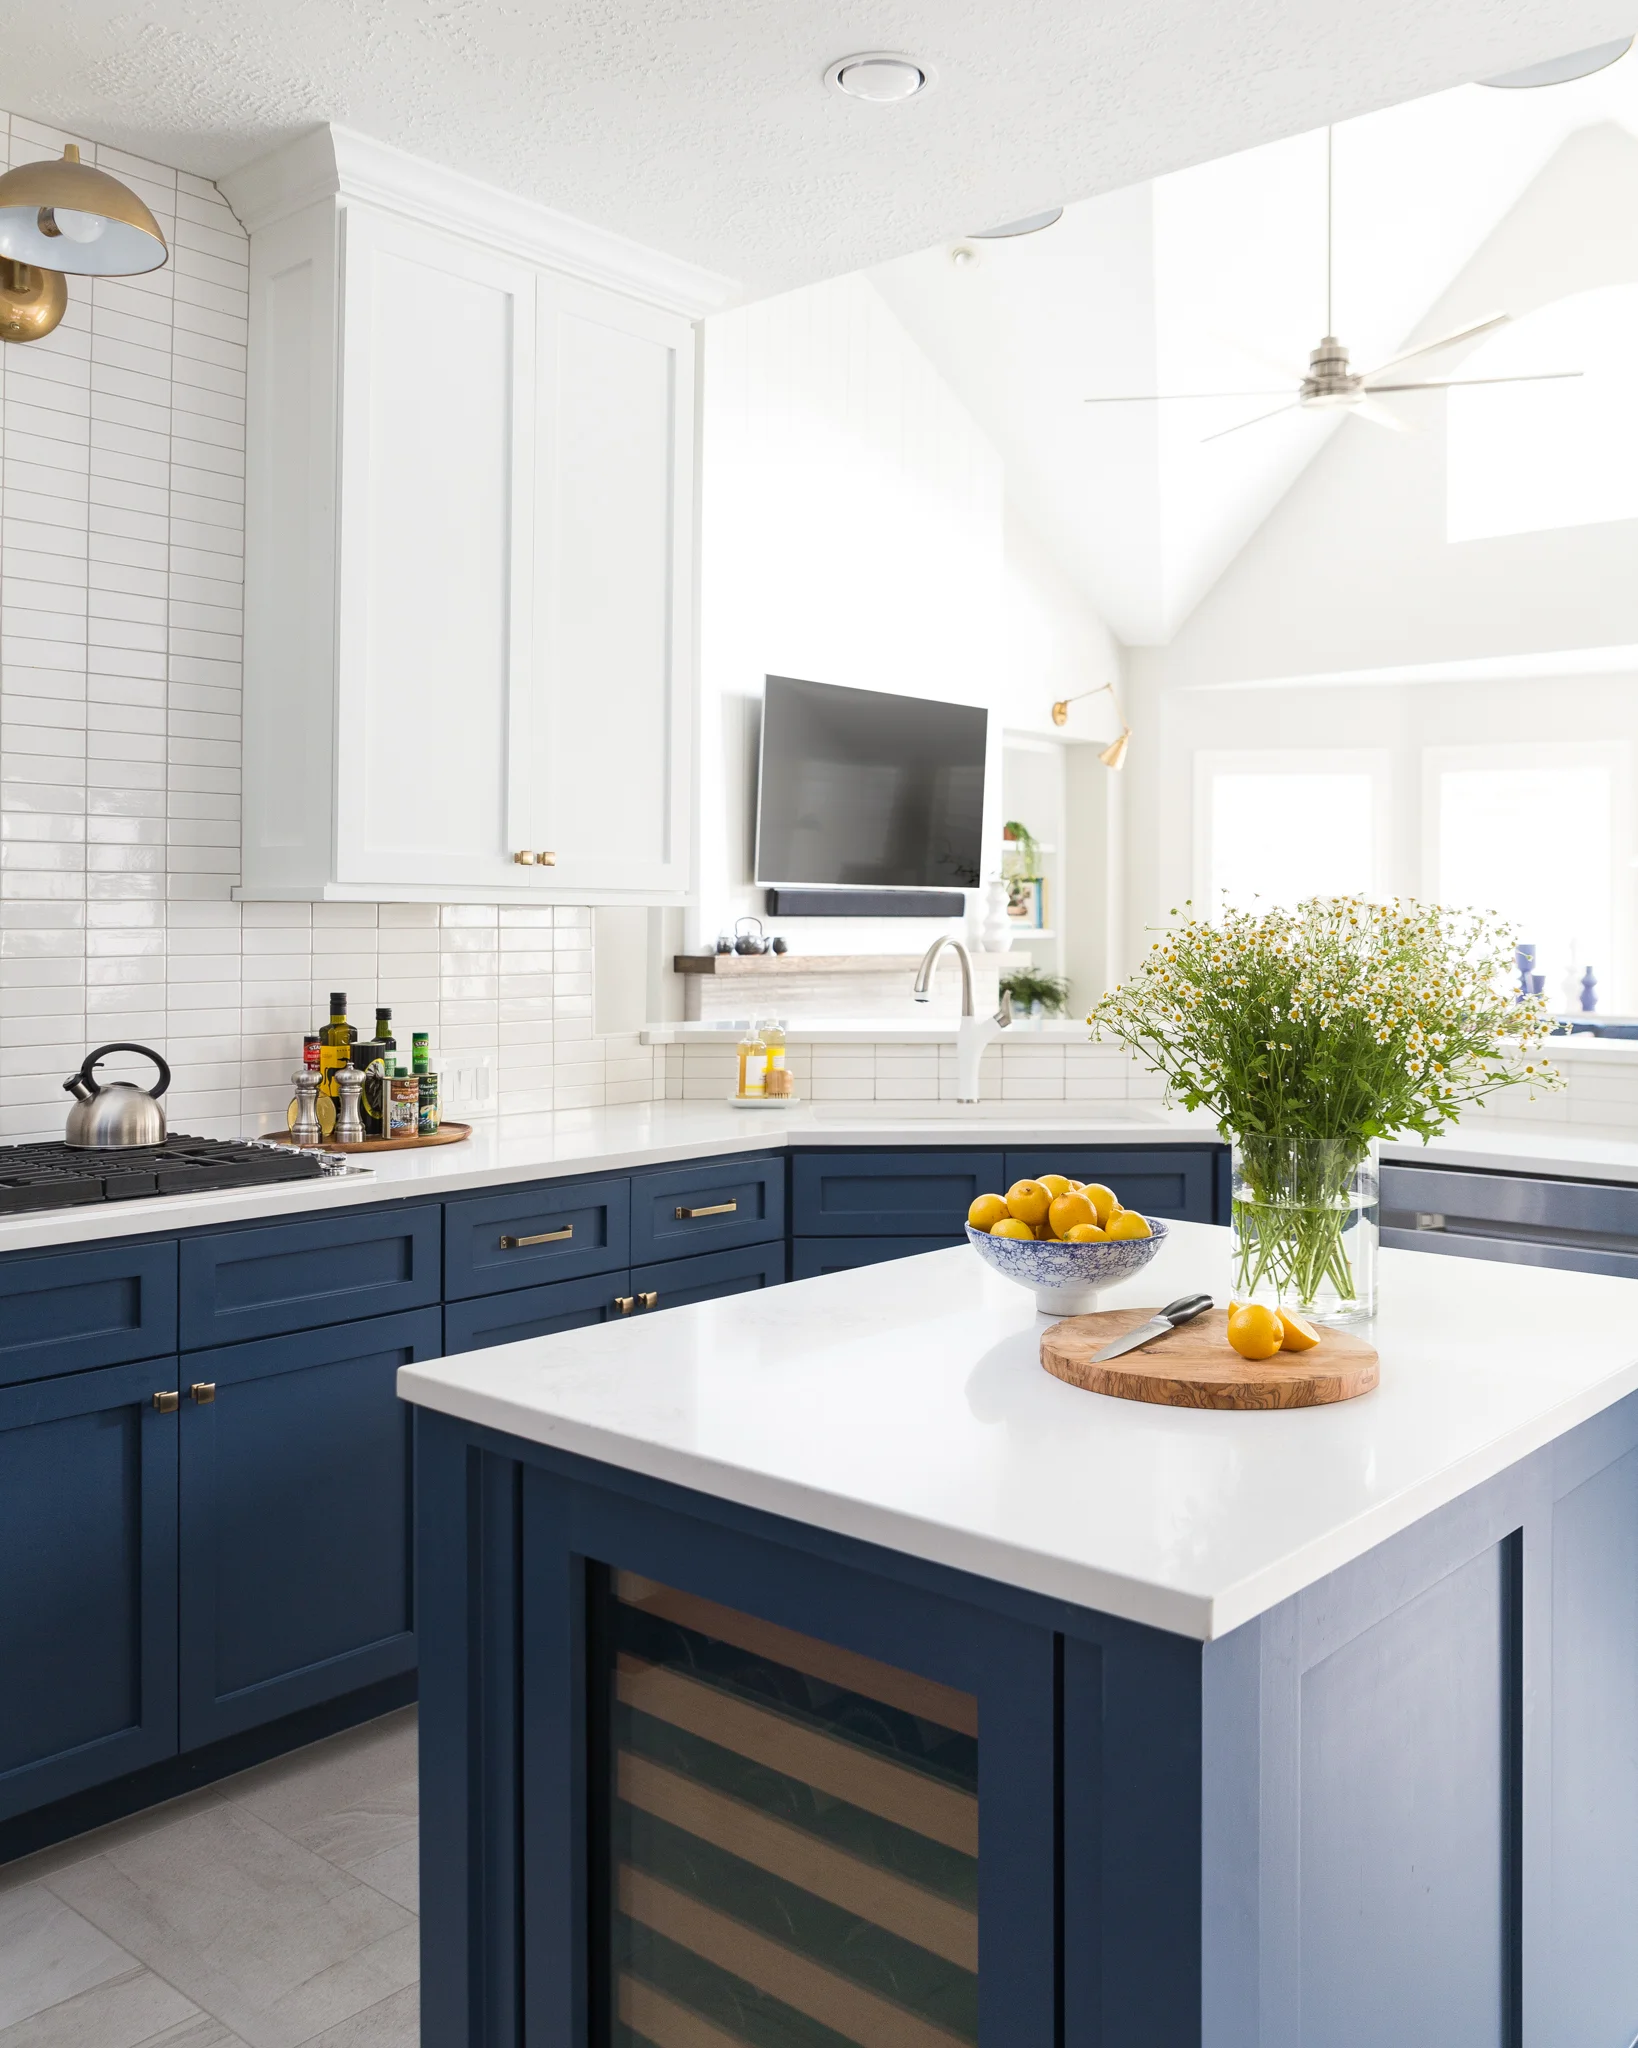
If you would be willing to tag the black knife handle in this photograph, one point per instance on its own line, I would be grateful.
(1186, 1308)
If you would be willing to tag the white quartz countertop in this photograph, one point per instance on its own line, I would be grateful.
(905, 1404)
(616, 1140)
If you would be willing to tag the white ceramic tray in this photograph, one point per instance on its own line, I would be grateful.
(765, 1101)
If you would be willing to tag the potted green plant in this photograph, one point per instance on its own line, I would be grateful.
(1311, 1034)
(1029, 988)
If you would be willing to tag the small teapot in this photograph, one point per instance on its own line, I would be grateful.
(109, 1116)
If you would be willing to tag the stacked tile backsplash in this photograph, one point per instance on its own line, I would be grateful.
(1079, 1076)
(121, 570)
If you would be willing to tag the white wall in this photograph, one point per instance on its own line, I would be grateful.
(856, 530)
(121, 566)
(1352, 572)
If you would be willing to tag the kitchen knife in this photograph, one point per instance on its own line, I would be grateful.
(1183, 1310)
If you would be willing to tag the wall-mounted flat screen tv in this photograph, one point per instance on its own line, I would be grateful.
(861, 789)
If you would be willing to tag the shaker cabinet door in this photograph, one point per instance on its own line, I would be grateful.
(613, 708)
(434, 585)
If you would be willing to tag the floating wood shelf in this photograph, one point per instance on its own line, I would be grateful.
(753, 964)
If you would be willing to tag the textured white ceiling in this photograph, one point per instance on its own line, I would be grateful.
(704, 129)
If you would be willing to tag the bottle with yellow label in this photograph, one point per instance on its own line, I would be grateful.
(753, 1065)
(773, 1037)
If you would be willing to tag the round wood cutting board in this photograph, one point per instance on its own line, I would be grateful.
(1196, 1367)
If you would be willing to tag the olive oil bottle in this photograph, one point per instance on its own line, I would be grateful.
(336, 1042)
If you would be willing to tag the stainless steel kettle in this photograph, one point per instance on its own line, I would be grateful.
(110, 1115)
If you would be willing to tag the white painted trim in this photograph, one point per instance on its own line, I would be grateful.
(339, 163)
(1376, 762)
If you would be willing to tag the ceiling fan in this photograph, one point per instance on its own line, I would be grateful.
(1330, 384)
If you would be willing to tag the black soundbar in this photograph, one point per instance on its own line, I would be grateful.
(865, 903)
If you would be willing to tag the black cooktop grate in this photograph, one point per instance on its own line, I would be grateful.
(54, 1176)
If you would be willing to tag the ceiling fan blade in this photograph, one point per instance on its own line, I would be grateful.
(1427, 348)
(1461, 383)
(1364, 408)
(1223, 432)
(1171, 397)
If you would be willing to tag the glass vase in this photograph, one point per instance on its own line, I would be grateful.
(1305, 1219)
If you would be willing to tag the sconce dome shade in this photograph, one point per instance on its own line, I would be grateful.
(68, 216)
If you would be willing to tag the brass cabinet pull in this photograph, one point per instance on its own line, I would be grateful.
(716, 1209)
(625, 1303)
(515, 1244)
(547, 860)
(524, 859)
(648, 1301)
(167, 1404)
(203, 1392)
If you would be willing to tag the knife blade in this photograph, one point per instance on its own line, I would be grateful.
(1161, 1324)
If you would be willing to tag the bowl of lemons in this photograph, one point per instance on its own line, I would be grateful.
(1066, 1239)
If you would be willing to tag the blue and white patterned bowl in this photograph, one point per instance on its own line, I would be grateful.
(1067, 1278)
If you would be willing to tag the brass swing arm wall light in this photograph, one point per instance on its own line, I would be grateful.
(1113, 755)
(62, 219)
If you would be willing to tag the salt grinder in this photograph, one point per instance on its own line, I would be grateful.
(305, 1130)
(349, 1128)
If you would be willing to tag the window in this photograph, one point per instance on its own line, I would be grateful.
(1526, 457)
(1536, 834)
(1276, 827)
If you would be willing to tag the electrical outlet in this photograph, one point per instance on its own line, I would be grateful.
(467, 1086)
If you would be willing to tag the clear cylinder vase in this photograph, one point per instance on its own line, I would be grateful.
(1305, 1222)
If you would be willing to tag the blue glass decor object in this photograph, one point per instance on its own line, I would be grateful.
(1538, 983)
(1589, 990)
(1524, 958)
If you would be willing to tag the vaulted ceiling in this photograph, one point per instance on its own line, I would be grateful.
(1214, 278)
(702, 127)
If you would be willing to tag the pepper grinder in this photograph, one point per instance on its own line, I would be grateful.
(349, 1128)
(305, 1130)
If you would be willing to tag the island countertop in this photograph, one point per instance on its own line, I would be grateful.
(904, 1404)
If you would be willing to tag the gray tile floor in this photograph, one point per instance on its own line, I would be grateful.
(276, 1909)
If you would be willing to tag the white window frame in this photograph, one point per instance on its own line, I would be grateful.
(1615, 755)
(1376, 762)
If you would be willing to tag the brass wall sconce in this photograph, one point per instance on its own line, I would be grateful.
(60, 219)
(1113, 755)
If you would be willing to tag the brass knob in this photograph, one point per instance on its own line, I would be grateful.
(625, 1303)
(167, 1403)
(203, 1392)
(524, 859)
(648, 1300)
(547, 860)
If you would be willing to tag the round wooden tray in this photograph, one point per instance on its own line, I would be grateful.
(447, 1134)
(1196, 1367)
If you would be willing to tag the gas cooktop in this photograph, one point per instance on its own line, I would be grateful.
(53, 1176)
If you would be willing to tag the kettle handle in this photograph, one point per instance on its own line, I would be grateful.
(93, 1060)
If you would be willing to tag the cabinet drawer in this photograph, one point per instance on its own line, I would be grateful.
(558, 1230)
(811, 1256)
(1174, 1181)
(683, 1210)
(534, 1311)
(902, 1194)
(1583, 1226)
(71, 1311)
(676, 1282)
(239, 1284)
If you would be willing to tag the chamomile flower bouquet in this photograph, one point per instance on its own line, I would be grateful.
(1310, 1034)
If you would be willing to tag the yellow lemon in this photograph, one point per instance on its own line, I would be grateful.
(1054, 1183)
(1028, 1201)
(987, 1211)
(1102, 1199)
(1255, 1331)
(1010, 1226)
(1127, 1223)
(1300, 1335)
(1068, 1210)
(1084, 1233)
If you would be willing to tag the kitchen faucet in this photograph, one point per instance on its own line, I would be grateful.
(973, 1033)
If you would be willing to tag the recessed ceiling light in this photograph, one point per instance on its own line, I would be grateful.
(1031, 224)
(879, 76)
(1560, 70)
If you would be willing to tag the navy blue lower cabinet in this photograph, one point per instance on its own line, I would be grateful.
(87, 1580)
(673, 1283)
(811, 1256)
(297, 1493)
(70, 1311)
(261, 1282)
(536, 1311)
(1174, 1181)
(905, 1194)
(557, 1230)
(679, 1211)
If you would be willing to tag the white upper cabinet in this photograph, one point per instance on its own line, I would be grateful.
(470, 545)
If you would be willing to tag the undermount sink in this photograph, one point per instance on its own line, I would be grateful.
(1057, 1111)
